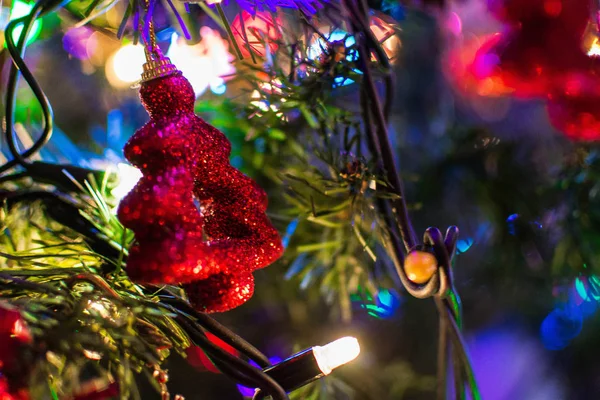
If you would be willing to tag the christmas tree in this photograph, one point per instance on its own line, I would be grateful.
(234, 199)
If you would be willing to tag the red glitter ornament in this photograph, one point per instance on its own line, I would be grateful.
(197, 220)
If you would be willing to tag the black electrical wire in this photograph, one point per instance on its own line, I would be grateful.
(17, 52)
(252, 374)
(233, 373)
(13, 177)
(219, 330)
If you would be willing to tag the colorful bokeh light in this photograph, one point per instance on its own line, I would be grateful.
(383, 306)
(565, 322)
(20, 9)
(80, 42)
(204, 64)
(125, 66)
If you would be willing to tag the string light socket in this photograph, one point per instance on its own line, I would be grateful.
(314, 363)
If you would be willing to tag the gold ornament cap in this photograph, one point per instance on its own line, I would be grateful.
(157, 65)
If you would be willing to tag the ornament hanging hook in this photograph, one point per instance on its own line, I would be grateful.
(150, 46)
(156, 65)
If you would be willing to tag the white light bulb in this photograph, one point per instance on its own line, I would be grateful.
(336, 353)
(125, 66)
(128, 177)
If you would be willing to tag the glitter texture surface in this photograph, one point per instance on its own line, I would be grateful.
(197, 220)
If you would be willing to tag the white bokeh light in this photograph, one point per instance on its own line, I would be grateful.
(125, 66)
(128, 177)
(205, 63)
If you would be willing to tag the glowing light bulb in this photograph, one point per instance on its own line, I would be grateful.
(125, 66)
(128, 177)
(314, 363)
(336, 354)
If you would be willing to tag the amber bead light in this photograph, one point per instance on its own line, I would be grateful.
(420, 266)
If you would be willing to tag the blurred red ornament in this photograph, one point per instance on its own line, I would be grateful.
(14, 336)
(255, 31)
(573, 14)
(523, 67)
(9, 393)
(576, 110)
(199, 360)
(197, 220)
(541, 45)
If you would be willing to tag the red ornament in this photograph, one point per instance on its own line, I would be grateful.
(197, 220)
(541, 45)
(14, 336)
(9, 393)
(573, 14)
(255, 31)
(575, 108)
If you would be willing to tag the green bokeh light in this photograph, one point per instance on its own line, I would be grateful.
(20, 9)
(580, 287)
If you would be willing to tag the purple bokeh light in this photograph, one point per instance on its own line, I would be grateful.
(80, 42)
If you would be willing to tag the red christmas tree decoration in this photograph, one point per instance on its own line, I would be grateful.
(197, 220)
(541, 54)
(14, 338)
(575, 108)
(9, 393)
(541, 44)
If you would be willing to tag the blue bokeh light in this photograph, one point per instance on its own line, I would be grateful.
(289, 231)
(218, 86)
(462, 245)
(560, 327)
(565, 322)
(511, 220)
(384, 306)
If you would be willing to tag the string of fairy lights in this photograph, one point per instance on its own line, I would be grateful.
(273, 380)
(206, 64)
